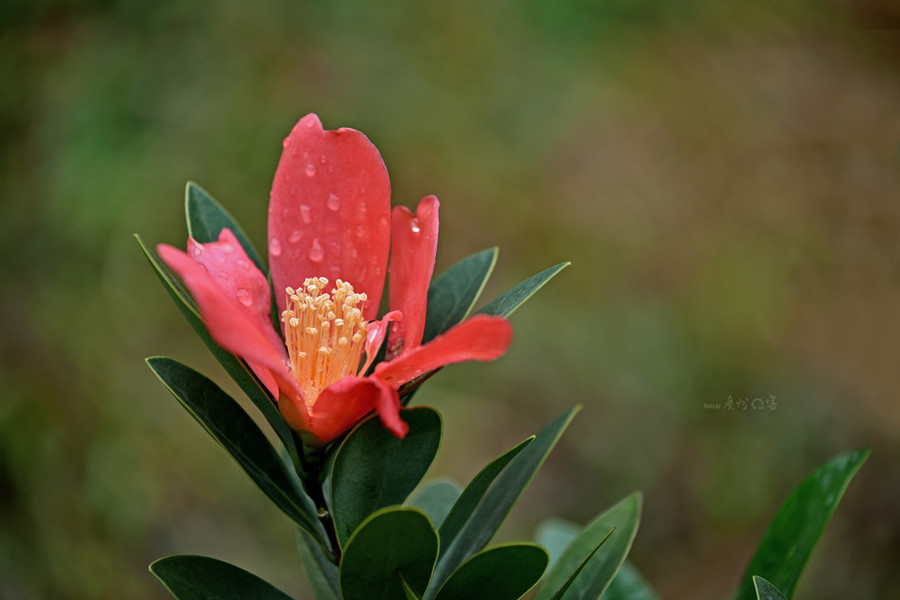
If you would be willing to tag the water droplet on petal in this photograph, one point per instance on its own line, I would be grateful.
(293, 152)
(354, 253)
(197, 250)
(305, 214)
(360, 231)
(310, 122)
(415, 226)
(296, 236)
(316, 251)
(275, 247)
(227, 248)
(244, 297)
(362, 190)
(223, 274)
(385, 219)
(323, 159)
(286, 142)
(334, 202)
(244, 264)
(310, 170)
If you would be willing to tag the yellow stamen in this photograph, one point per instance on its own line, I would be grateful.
(325, 334)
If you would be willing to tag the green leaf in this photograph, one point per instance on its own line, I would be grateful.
(597, 568)
(206, 218)
(765, 590)
(321, 573)
(555, 535)
(629, 584)
(452, 294)
(506, 303)
(391, 546)
(228, 424)
(373, 468)
(470, 498)
(190, 577)
(408, 591)
(233, 366)
(479, 527)
(500, 573)
(436, 498)
(795, 530)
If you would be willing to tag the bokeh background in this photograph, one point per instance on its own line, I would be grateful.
(724, 177)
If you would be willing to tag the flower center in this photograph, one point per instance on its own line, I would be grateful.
(325, 334)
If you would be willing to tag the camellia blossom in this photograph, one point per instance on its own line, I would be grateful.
(331, 229)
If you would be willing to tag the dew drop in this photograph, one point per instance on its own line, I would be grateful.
(293, 190)
(197, 250)
(296, 236)
(360, 231)
(362, 190)
(244, 264)
(354, 253)
(334, 202)
(244, 297)
(293, 152)
(227, 248)
(223, 274)
(323, 159)
(385, 219)
(275, 247)
(310, 170)
(415, 226)
(316, 251)
(310, 123)
(286, 142)
(305, 214)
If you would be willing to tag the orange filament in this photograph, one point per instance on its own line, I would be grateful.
(325, 334)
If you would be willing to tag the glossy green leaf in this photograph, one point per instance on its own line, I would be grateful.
(436, 498)
(506, 303)
(228, 424)
(206, 218)
(765, 590)
(233, 366)
(555, 535)
(629, 584)
(190, 577)
(408, 591)
(373, 468)
(795, 530)
(500, 573)
(452, 294)
(321, 573)
(391, 546)
(470, 499)
(597, 571)
(481, 524)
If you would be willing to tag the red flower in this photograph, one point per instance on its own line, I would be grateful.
(330, 231)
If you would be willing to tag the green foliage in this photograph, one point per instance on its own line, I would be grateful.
(436, 498)
(585, 570)
(500, 573)
(495, 503)
(506, 303)
(206, 218)
(765, 590)
(390, 544)
(234, 430)
(452, 294)
(190, 577)
(795, 530)
(373, 468)
(320, 571)
(629, 584)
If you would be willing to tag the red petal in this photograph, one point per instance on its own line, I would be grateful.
(413, 248)
(240, 326)
(329, 212)
(342, 404)
(480, 338)
(375, 331)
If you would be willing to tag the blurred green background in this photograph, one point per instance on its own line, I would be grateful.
(724, 178)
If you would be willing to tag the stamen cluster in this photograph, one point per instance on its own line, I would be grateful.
(325, 334)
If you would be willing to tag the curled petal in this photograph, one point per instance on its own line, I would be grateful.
(375, 332)
(231, 323)
(413, 249)
(329, 212)
(342, 404)
(479, 338)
